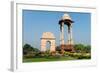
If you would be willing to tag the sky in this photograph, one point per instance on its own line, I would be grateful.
(36, 22)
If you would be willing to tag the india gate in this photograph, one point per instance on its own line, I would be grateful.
(48, 36)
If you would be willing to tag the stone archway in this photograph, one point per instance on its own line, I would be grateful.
(47, 36)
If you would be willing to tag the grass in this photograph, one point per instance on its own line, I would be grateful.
(47, 59)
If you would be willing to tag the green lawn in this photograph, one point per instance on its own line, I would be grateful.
(47, 59)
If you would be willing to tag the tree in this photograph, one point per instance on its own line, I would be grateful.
(36, 50)
(27, 48)
(82, 48)
(88, 49)
(79, 47)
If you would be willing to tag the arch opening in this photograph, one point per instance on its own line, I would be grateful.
(48, 45)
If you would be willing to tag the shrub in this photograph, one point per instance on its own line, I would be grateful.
(79, 55)
(28, 56)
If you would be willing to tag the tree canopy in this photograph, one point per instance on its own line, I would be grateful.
(28, 48)
(82, 48)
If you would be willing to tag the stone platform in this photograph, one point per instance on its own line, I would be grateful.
(69, 48)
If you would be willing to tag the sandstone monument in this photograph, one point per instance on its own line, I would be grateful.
(48, 37)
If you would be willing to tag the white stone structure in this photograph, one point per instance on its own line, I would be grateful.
(48, 37)
(66, 20)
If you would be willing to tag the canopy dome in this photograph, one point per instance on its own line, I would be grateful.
(66, 16)
(66, 19)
